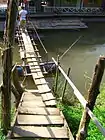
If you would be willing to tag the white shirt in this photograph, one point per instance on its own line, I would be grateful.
(23, 14)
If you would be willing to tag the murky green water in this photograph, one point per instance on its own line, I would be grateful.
(81, 58)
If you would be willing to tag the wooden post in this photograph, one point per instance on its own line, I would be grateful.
(57, 74)
(93, 93)
(7, 65)
(65, 85)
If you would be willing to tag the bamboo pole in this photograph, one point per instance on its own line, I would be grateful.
(57, 74)
(65, 85)
(7, 65)
(93, 93)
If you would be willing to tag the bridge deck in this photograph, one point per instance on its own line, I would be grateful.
(37, 114)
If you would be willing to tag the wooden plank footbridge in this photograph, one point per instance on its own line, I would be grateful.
(37, 115)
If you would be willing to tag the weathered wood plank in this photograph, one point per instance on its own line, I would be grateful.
(40, 81)
(39, 120)
(35, 67)
(32, 98)
(50, 103)
(48, 96)
(38, 74)
(43, 88)
(40, 132)
(34, 71)
(33, 104)
(39, 111)
(30, 60)
(33, 63)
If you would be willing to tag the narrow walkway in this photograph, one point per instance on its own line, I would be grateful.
(37, 114)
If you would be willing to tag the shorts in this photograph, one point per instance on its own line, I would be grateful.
(23, 23)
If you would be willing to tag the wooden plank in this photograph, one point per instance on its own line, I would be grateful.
(33, 64)
(43, 88)
(48, 96)
(39, 120)
(32, 104)
(40, 132)
(40, 81)
(32, 98)
(50, 103)
(35, 75)
(35, 67)
(39, 111)
(34, 59)
(29, 61)
(30, 56)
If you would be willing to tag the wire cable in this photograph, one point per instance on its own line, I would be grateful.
(70, 47)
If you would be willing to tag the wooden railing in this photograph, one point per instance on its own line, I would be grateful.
(81, 99)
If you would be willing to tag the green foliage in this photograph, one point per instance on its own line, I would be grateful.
(99, 111)
(73, 116)
(2, 137)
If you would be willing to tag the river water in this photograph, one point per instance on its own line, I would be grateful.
(81, 58)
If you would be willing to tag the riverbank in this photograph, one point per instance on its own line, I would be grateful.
(73, 114)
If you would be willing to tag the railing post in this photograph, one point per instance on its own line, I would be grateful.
(65, 85)
(57, 74)
(92, 96)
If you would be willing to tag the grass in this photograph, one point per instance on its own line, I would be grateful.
(73, 114)
(2, 137)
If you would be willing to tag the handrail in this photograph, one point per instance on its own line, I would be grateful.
(39, 38)
(81, 99)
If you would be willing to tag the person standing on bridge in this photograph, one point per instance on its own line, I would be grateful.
(23, 17)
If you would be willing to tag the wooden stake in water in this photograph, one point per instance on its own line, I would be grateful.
(65, 85)
(57, 74)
